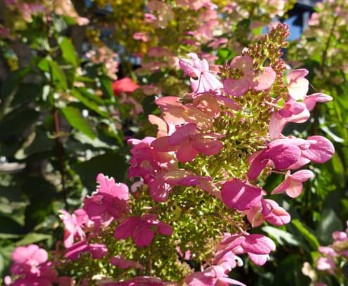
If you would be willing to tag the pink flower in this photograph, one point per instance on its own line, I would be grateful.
(31, 267)
(245, 78)
(109, 201)
(73, 225)
(291, 153)
(239, 195)
(202, 80)
(292, 185)
(257, 246)
(267, 210)
(141, 36)
(96, 250)
(26, 259)
(188, 142)
(326, 264)
(125, 84)
(212, 276)
(141, 229)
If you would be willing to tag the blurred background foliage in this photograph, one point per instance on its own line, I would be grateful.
(61, 122)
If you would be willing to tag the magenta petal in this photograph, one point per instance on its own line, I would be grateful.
(236, 87)
(182, 134)
(320, 149)
(159, 189)
(162, 144)
(238, 195)
(97, 250)
(274, 214)
(282, 155)
(186, 152)
(207, 146)
(164, 229)
(265, 79)
(256, 167)
(125, 263)
(125, 229)
(143, 235)
(258, 244)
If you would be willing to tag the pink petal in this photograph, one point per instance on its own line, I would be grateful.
(237, 87)
(186, 152)
(207, 146)
(164, 229)
(258, 259)
(143, 235)
(125, 229)
(312, 99)
(182, 134)
(258, 244)
(162, 144)
(238, 195)
(320, 149)
(298, 85)
(265, 79)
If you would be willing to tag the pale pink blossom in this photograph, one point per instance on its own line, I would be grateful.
(73, 225)
(292, 184)
(202, 80)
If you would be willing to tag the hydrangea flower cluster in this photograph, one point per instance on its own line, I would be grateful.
(199, 181)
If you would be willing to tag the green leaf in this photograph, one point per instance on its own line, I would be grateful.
(88, 103)
(68, 51)
(33, 238)
(75, 119)
(307, 234)
(110, 163)
(54, 73)
(106, 86)
(280, 236)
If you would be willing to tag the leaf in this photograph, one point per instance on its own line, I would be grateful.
(106, 86)
(307, 234)
(75, 119)
(89, 103)
(53, 73)
(280, 236)
(68, 51)
(110, 163)
(33, 238)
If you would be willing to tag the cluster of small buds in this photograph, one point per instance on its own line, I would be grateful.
(200, 177)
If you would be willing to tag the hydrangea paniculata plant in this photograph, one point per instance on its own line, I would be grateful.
(200, 181)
